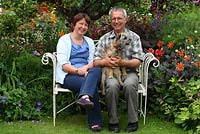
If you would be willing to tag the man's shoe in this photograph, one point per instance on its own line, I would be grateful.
(132, 127)
(114, 127)
(85, 103)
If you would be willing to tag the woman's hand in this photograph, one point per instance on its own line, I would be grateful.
(83, 71)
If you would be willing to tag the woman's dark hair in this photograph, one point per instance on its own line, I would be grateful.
(78, 17)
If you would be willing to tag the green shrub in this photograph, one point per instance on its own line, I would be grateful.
(178, 52)
(26, 84)
(182, 25)
(171, 32)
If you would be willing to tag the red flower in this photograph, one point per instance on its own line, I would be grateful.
(180, 66)
(93, 36)
(186, 57)
(170, 45)
(151, 50)
(181, 52)
(158, 57)
(155, 11)
(198, 64)
(160, 43)
(61, 33)
(159, 52)
(45, 9)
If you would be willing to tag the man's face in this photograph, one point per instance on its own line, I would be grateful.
(118, 21)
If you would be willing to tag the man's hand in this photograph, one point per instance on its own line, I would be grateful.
(119, 61)
(112, 62)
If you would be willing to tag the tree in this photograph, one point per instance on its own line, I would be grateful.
(94, 8)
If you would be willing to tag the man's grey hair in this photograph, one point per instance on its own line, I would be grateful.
(117, 9)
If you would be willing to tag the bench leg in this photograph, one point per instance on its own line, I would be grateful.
(54, 110)
(145, 109)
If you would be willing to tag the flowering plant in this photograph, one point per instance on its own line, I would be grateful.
(181, 61)
(177, 80)
(33, 31)
(175, 84)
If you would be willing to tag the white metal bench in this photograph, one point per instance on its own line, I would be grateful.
(142, 89)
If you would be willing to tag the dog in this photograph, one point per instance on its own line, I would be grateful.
(116, 48)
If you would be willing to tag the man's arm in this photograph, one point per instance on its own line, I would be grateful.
(133, 63)
(116, 61)
(109, 62)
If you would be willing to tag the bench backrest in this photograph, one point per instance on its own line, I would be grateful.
(143, 69)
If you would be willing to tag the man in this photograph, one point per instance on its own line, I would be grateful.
(133, 57)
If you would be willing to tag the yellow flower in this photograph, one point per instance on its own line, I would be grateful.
(53, 19)
(189, 39)
(164, 6)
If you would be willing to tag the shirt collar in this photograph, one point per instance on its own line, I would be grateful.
(112, 34)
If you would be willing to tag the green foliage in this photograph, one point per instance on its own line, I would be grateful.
(182, 25)
(188, 114)
(21, 89)
(173, 84)
(25, 84)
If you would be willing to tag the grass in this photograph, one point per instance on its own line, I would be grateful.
(77, 124)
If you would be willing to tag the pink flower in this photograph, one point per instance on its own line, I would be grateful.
(198, 94)
(193, 99)
(36, 53)
(196, 1)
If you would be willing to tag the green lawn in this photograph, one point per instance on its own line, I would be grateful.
(77, 124)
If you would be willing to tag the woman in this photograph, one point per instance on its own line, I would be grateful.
(75, 69)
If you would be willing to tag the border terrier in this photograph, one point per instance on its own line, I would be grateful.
(116, 48)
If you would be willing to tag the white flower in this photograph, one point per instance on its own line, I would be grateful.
(195, 31)
(188, 47)
(176, 50)
(1, 10)
(192, 46)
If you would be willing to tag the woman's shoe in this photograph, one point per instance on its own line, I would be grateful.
(85, 103)
(96, 128)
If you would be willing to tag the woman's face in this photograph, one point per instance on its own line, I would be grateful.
(81, 27)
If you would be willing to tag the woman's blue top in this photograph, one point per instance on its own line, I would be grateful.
(79, 54)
